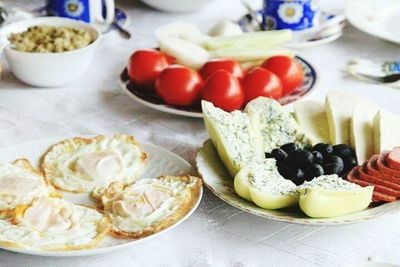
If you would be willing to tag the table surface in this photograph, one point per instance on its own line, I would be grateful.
(217, 234)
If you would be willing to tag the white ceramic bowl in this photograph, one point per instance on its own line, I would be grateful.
(177, 5)
(49, 69)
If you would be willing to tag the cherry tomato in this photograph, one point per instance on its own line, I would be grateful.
(223, 90)
(231, 66)
(145, 66)
(288, 70)
(261, 82)
(178, 85)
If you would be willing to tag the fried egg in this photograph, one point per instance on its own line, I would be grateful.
(149, 205)
(53, 224)
(81, 164)
(20, 183)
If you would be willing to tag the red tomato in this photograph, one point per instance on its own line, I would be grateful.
(145, 66)
(178, 85)
(223, 90)
(261, 82)
(230, 65)
(288, 70)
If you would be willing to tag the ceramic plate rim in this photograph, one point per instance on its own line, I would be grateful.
(301, 221)
(104, 250)
(198, 115)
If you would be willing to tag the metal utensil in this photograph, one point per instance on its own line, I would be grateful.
(381, 79)
(124, 33)
(3, 14)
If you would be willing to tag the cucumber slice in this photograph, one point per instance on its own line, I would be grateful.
(246, 54)
(250, 39)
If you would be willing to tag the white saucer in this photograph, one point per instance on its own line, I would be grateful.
(377, 18)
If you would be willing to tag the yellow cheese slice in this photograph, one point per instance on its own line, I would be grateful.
(311, 116)
(386, 128)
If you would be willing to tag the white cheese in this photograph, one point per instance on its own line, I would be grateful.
(311, 116)
(233, 137)
(330, 183)
(386, 131)
(274, 126)
(361, 131)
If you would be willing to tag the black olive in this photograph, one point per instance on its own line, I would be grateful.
(315, 170)
(349, 163)
(268, 155)
(279, 154)
(296, 175)
(289, 147)
(336, 159)
(324, 149)
(301, 158)
(341, 150)
(332, 168)
(318, 158)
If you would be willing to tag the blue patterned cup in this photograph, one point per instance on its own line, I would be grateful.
(290, 14)
(90, 11)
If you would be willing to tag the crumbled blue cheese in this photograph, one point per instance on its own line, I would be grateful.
(265, 177)
(275, 126)
(331, 183)
(235, 130)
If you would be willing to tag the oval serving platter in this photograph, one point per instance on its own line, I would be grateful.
(152, 100)
(218, 180)
(160, 161)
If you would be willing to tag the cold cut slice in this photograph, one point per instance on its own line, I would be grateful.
(354, 178)
(373, 170)
(363, 175)
(378, 197)
(393, 159)
(382, 167)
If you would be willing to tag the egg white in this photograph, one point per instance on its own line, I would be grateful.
(38, 226)
(19, 184)
(81, 165)
(148, 205)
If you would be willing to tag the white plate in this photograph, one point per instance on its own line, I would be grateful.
(218, 180)
(155, 102)
(378, 18)
(159, 162)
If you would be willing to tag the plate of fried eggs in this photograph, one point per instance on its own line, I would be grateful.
(82, 196)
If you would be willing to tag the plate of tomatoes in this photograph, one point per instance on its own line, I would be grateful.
(153, 79)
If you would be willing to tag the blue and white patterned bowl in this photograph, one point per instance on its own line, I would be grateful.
(290, 14)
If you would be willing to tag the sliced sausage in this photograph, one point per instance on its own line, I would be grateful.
(393, 159)
(354, 178)
(378, 197)
(363, 175)
(373, 171)
(382, 167)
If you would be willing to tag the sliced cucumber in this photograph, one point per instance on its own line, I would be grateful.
(185, 52)
(226, 28)
(251, 39)
(246, 54)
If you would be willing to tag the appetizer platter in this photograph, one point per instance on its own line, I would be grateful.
(229, 69)
(93, 195)
(326, 163)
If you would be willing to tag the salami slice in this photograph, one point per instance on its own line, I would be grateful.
(354, 178)
(393, 159)
(373, 171)
(378, 197)
(382, 167)
(363, 175)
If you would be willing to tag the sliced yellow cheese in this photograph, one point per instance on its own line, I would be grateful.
(361, 130)
(386, 131)
(339, 107)
(311, 116)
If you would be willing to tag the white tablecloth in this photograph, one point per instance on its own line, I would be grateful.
(217, 234)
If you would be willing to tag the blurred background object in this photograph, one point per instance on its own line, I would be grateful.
(177, 5)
